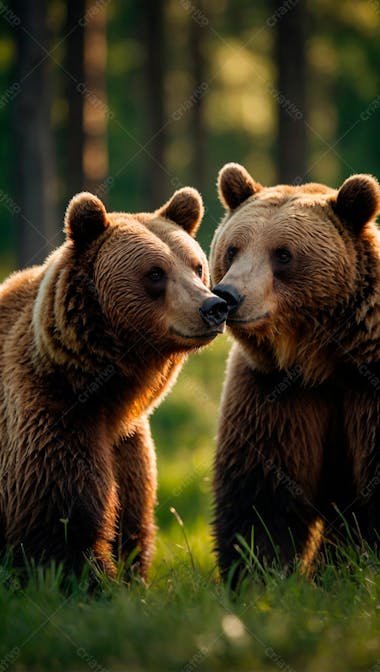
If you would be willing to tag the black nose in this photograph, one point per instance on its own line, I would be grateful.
(229, 294)
(214, 311)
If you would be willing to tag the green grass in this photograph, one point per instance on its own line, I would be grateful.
(185, 620)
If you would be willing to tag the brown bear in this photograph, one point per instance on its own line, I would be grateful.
(298, 453)
(91, 342)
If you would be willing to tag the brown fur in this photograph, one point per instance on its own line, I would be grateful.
(299, 430)
(90, 345)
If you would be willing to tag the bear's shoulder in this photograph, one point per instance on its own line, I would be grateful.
(19, 290)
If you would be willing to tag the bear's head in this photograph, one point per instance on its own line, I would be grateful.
(150, 277)
(295, 264)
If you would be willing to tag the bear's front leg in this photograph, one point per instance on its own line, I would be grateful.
(272, 518)
(135, 469)
(267, 467)
(362, 435)
(65, 505)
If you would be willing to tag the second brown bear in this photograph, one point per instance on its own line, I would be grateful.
(299, 428)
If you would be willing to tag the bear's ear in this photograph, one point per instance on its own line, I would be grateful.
(184, 208)
(85, 219)
(235, 185)
(358, 201)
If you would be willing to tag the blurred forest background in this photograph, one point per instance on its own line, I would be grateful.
(132, 100)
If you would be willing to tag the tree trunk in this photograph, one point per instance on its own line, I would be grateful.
(153, 19)
(74, 86)
(36, 186)
(95, 112)
(290, 94)
(197, 96)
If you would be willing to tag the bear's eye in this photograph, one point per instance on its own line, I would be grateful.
(199, 270)
(156, 274)
(155, 282)
(283, 255)
(231, 252)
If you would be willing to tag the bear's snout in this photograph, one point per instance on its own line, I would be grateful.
(214, 311)
(230, 295)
